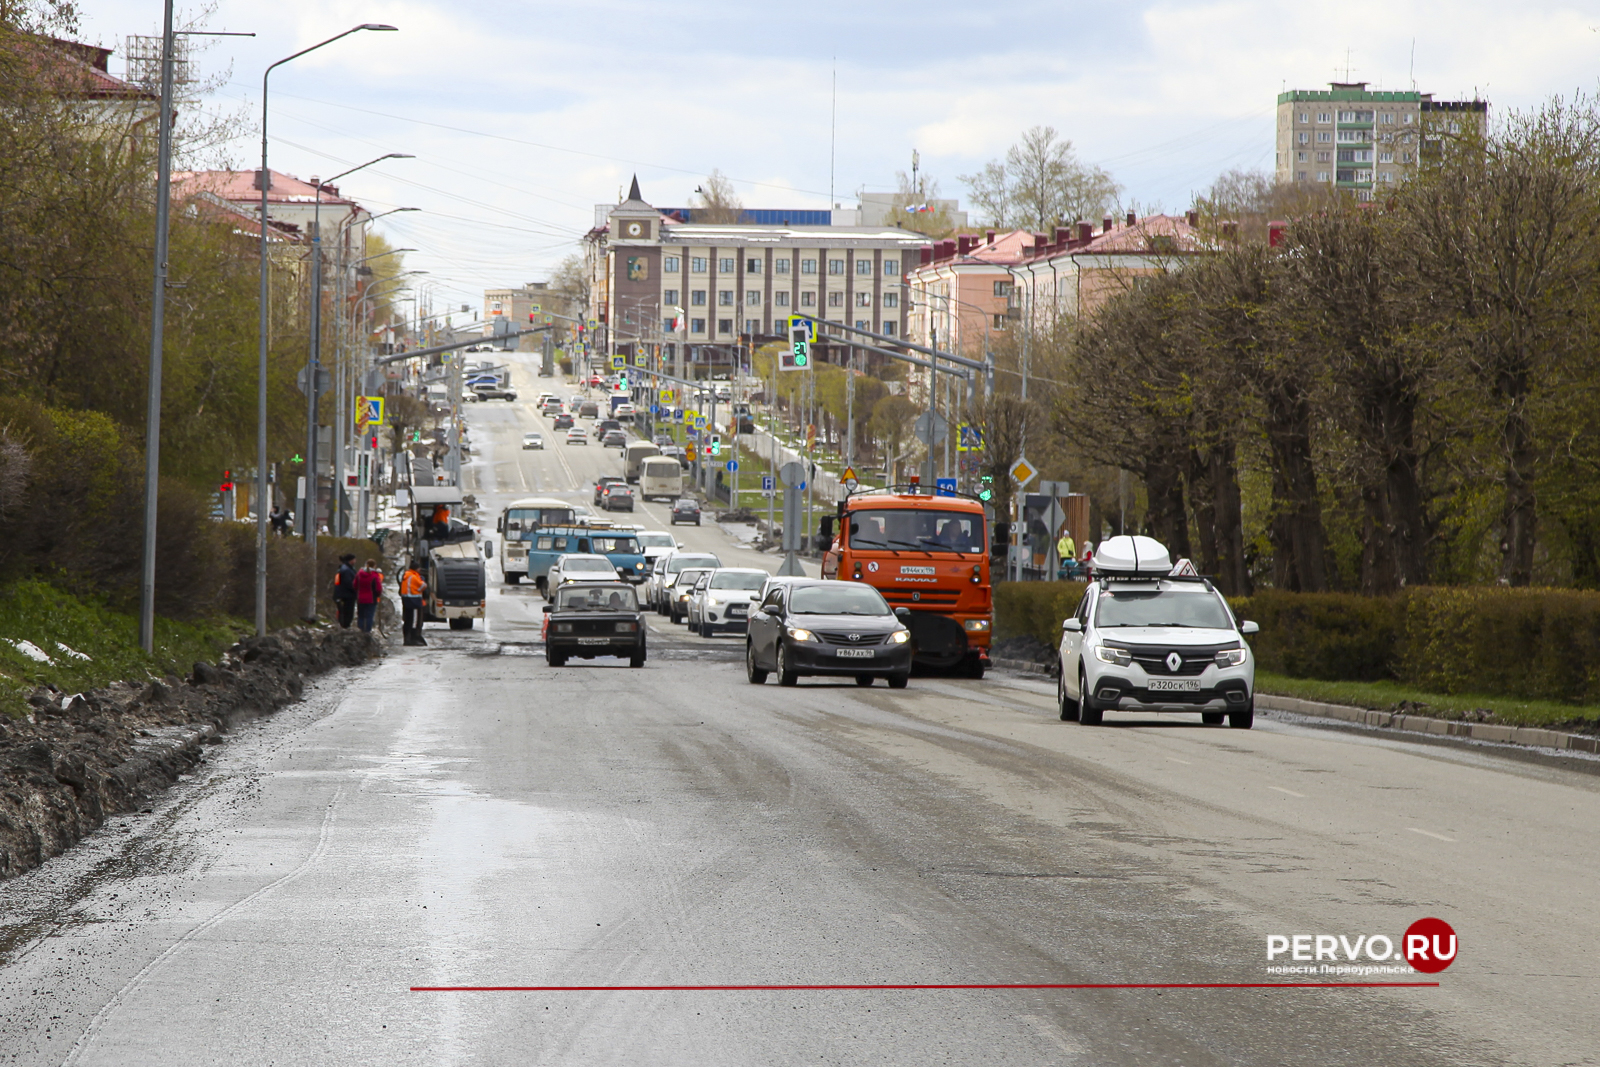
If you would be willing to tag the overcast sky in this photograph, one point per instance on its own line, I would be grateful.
(524, 116)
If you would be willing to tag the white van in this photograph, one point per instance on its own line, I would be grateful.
(660, 477)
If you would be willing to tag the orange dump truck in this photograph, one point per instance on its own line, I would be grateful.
(926, 553)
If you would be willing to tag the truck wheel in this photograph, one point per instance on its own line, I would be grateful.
(460, 622)
(514, 579)
(1089, 713)
(1243, 720)
(975, 667)
(1067, 705)
(543, 586)
(756, 675)
(785, 675)
(1211, 718)
(555, 659)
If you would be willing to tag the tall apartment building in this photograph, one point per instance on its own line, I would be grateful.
(705, 291)
(1358, 139)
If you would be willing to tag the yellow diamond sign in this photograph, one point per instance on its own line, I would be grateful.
(1023, 472)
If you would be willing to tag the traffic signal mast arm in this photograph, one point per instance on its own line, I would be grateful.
(436, 349)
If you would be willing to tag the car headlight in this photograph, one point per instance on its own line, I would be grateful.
(627, 627)
(1230, 657)
(797, 634)
(638, 566)
(1120, 656)
(976, 626)
(899, 637)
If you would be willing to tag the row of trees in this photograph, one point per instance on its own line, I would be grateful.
(1401, 392)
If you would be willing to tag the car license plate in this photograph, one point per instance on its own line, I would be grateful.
(738, 609)
(594, 640)
(1174, 685)
(854, 653)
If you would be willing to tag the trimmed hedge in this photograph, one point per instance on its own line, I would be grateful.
(1534, 644)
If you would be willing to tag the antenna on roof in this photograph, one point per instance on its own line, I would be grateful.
(1412, 72)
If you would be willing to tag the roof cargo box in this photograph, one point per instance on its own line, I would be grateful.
(1130, 556)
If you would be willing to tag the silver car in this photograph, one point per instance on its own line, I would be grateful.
(721, 600)
(665, 572)
(578, 567)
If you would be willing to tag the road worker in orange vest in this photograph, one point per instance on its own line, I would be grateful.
(412, 590)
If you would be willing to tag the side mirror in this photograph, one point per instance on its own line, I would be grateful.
(1073, 625)
(1247, 628)
(902, 613)
(548, 608)
(680, 544)
(488, 550)
(500, 525)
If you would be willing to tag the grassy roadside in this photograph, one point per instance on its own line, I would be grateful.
(106, 643)
(1384, 696)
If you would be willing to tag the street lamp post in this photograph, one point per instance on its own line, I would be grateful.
(264, 181)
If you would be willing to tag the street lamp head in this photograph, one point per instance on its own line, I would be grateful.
(399, 155)
(379, 26)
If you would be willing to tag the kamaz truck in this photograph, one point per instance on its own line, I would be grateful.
(447, 548)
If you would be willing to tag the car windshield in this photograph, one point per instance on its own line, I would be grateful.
(625, 545)
(1149, 607)
(681, 562)
(605, 598)
(656, 540)
(522, 522)
(843, 599)
(588, 566)
(932, 531)
(689, 575)
(739, 580)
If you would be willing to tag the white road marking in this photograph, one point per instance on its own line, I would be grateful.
(1430, 833)
(1291, 792)
(1185, 762)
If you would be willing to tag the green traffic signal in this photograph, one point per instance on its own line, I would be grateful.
(985, 494)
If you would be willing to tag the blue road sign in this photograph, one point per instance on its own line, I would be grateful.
(678, 415)
(944, 486)
(766, 483)
(692, 432)
(732, 465)
(655, 409)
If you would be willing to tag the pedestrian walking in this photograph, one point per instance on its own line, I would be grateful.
(344, 590)
(280, 520)
(412, 589)
(369, 590)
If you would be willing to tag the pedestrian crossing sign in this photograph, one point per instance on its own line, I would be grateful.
(969, 438)
(618, 362)
(369, 411)
(639, 360)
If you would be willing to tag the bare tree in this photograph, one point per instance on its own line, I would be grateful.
(1041, 184)
(715, 201)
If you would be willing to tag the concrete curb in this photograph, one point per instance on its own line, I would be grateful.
(1025, 666)
(1477, 731)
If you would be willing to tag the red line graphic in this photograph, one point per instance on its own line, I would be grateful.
(911, 986)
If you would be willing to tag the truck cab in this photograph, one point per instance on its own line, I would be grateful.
(448, 551)
(923, 552)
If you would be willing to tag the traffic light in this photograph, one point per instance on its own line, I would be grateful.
(986, 490)
(715, 447)
(622, 383)
(227, 482)
(799, 344)
(372, 440)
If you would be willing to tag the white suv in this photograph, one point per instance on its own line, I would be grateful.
(1151, 637)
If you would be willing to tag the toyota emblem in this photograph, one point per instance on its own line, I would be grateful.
(1174, 661)
(855, 637)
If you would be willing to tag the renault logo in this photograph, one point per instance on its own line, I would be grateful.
(1174, 661)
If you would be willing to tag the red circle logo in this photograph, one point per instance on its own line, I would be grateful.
(1430, 945)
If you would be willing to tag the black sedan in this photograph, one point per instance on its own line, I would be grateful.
(812, 626)
(563, 421)
(590, 619)
(685, 509)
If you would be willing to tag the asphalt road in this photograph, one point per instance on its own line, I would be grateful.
(464, 814)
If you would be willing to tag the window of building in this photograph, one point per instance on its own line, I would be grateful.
(1324, 157)
(1305, 138)
(752, 326)
(780, 298)
(836, 300)
(889, 326)
(1405, 157)
(1002, 288)
(835, 266)
(1407, 120)
(697, 264)
(1386, 137)
(1353, 136)
(725, 265)
(1385, 157)
(1301, 176)
(891, 268)
(668, 325)
(1305, 116)
(697, 298)
(671, 264)
(863, 300)
(808, 299)
(1385, 176)
(1324, 137)
(1324, 116)
(999, 321)
(1386, 119)
(752, 297)
(1322, 176)
(782, 265)
(863, 324)
(808, 266)
(695, 326)
(724, 325)
(725, 298)
(891, 300)
(1299, 157)
(493, 306)
(669, 296)
(864, 267)
(752, 266)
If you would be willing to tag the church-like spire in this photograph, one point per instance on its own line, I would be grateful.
(633, 190)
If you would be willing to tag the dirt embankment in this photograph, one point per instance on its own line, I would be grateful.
(82, 757)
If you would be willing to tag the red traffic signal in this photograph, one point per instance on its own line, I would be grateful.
(227, 481)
